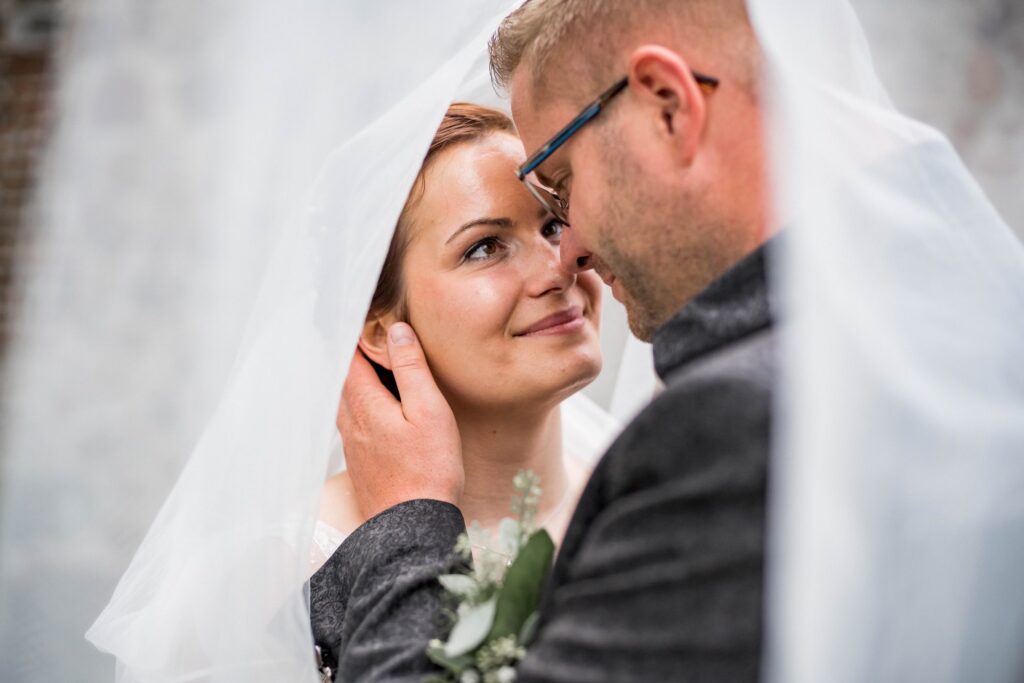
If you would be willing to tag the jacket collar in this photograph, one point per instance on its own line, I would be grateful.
(730, 308)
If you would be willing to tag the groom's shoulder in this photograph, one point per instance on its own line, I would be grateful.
(714, 415)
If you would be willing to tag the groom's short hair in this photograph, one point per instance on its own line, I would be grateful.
(569, 43)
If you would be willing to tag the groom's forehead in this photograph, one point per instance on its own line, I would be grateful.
(537, 111)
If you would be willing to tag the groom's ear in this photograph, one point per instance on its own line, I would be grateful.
(666, 89)
(374, 339)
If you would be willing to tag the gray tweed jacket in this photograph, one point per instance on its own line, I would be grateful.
(660, 575)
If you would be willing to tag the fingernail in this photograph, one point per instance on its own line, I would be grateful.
(401, 334)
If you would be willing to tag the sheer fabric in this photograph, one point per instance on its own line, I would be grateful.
(215, 592)
(326, 540)
(897, 525)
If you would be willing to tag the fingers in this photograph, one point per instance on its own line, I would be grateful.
(420, 396)
(362, 392)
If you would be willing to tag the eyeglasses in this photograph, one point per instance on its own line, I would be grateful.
(558, 206)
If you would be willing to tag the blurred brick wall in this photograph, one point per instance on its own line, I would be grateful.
(27, 36)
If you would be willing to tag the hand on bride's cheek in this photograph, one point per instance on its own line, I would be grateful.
(501, 323)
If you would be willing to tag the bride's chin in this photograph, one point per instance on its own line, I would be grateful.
(578, 381)
(537, 387)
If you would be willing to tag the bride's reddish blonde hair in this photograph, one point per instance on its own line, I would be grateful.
(462, 123)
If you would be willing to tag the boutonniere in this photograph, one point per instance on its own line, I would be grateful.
(496, 603)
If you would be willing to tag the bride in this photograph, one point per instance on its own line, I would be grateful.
(473, 268)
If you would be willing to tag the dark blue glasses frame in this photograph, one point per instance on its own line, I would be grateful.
(559, 207)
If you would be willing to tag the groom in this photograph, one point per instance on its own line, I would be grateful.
(661, 571)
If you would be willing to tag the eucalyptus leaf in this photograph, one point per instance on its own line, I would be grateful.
(520, 594)
(529, 629)
(471, 628)
(455, 664)
(459, 584)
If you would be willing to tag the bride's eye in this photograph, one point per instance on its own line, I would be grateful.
(553, 229)
(483, 250)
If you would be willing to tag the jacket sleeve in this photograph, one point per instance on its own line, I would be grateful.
(376, 603)
(660, 577)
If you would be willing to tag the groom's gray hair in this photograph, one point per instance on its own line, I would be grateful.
(578, 40)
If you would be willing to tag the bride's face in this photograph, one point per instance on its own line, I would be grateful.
(499, 320)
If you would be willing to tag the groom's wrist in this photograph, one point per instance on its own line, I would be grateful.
(370, 508)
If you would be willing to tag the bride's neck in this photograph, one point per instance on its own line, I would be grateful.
(496, 447)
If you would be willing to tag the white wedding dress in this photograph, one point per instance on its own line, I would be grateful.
(326, 540)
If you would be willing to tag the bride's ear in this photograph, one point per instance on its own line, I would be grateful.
(374, 339)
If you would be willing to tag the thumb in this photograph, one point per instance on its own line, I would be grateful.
(416, 386)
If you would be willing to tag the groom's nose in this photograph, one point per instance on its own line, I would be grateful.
(574, 258)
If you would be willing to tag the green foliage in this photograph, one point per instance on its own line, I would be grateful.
(437, 655)
(529, 629)
(496, 614)
(520, 594)
(460, 585)
(472, 627)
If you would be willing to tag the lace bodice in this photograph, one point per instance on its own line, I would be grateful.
(326, 539)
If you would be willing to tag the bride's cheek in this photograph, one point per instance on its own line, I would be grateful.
(486, 303)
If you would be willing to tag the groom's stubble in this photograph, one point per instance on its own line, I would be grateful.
(663, 250)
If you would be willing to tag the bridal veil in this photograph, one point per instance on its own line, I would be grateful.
(215, 591)
(896, 522)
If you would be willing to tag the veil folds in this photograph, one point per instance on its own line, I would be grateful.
(215, 592)
(897, 525)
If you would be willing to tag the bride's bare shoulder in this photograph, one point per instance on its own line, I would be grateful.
(338, 507)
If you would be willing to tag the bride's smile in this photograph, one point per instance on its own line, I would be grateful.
(564, 322)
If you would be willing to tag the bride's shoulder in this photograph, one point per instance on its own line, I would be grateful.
(338, 507)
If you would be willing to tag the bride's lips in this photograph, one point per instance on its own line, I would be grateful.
(569, 320)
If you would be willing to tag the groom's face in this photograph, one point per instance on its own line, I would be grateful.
(646, 204)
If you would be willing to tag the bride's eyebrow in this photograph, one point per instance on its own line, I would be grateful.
(504, 223)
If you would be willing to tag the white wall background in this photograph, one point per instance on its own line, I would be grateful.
(959, 66)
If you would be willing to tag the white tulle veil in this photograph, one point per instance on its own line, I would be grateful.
(188, 170)
(215, 592)
(897, 524)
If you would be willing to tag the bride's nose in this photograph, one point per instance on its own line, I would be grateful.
(544, 272)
